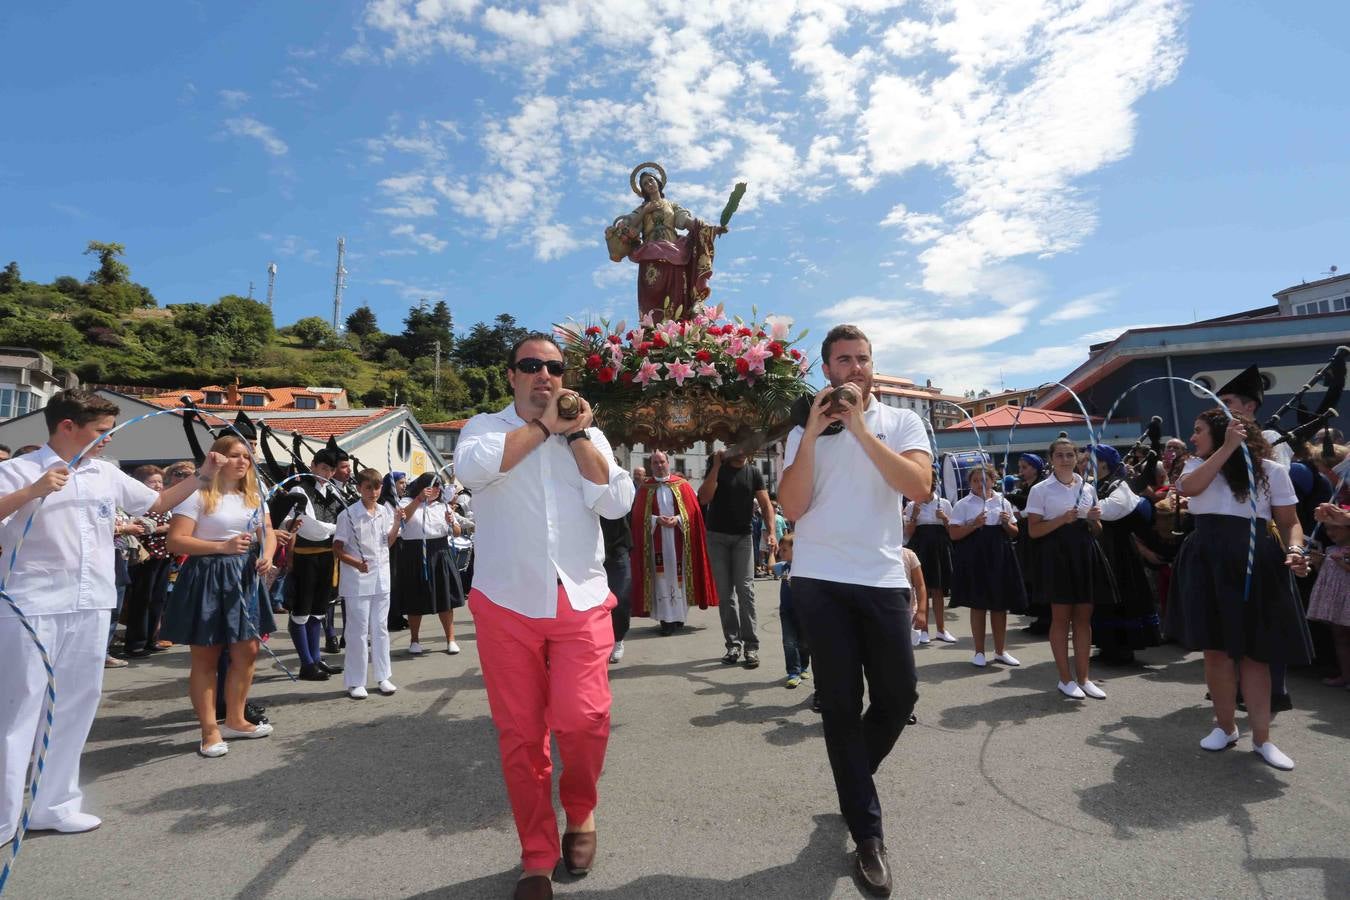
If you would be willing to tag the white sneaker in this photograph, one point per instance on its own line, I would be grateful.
(946, 637)
(924, 638)
(452, 648)
(914, 637)
(387, 687)
(617, 653)
(1071, 690)
(415, 649)
(1218, 739)
(1093, 691)
(78, 823)
(357, 693)
(1272, 755)
(978, 661)
(1007, 659)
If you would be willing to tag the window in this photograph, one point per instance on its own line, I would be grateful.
(6, 403)
(1338, 305)
(23, 403)
(302, 402)
(988, 407)
(255, 400)
(1014, 402)
(680, 466)
(214, 398)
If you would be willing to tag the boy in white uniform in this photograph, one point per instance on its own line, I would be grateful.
(62, 580)
(365, 532)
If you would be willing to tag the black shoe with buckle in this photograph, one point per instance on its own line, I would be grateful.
(872, 868)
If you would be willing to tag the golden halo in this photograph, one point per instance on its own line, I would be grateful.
(633, 176)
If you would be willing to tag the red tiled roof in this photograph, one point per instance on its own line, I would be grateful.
(452, 425)
(277, 397)
(325, 426)
(1004, 416)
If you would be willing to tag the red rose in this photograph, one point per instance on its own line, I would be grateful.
(760, 335)
(659, 339)
(615, 339)
(626, 378)
(703, 356)
(742, 367)
(606, 375)
(745, 332)
(776, 349)
(594, 329)
(795, 353)
(594, 361)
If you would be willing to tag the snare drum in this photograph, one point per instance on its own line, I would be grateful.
(956, 468)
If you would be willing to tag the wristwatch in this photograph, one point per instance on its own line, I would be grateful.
(578, 436)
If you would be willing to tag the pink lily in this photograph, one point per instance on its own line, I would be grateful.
(647, 373)
(780, 327)
(708, 370)
(756, 354)
(679, 371)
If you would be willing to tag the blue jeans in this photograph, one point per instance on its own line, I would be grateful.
(796, 651)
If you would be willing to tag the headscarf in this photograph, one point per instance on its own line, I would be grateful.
(389, 488)
(1109, 456)
(1034, 460)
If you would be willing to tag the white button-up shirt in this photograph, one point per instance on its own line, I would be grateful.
(66, 562)
(365, 535)
(540, 522)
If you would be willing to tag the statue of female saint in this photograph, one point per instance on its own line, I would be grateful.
(673, 269)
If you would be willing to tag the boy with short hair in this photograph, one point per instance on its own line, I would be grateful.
(365, 532)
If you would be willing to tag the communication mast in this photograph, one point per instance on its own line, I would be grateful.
(339, 282)
(271, 282)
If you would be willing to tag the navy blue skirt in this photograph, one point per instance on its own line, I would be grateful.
(985, 573)
(427, 581)
(1072, 569)
(217, 600)
(933, 546)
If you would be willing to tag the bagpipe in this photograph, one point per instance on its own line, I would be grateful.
(1332, 377)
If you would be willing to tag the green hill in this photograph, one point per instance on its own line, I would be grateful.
(109, 329)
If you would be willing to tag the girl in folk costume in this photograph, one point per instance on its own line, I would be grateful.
(218, 600)
(426, 573)
(1073, 576)
(392, 490)
(926, 534)
(1243, 625)
(986, 576)
(670, 548)
(1127, 531)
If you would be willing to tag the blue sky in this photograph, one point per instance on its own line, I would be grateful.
(984, 186)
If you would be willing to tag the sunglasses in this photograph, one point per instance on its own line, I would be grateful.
(531, 366)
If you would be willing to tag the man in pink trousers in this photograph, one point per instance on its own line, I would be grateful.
(541, 603)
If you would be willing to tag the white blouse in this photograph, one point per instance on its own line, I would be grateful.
(425, 523)
(231, 517)
(972, 506)
(926, 513)
(1052, 498)
(1218, 499)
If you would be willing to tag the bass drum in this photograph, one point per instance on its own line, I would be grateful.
(956, 468)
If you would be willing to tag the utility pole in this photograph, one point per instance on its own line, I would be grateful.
(438, 370)
(339, 282)
(271, 282)
(250, 289)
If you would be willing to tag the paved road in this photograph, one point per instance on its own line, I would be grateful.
(716, 786)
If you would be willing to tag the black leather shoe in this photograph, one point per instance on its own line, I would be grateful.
(331, 645)
(330, 669)
(312, 673)
(138, 653)
(255, 714)
(1280, 703)
(872, 868)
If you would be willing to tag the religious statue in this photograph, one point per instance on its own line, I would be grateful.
(673, 269)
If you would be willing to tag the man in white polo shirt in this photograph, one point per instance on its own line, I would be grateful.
(541, 603)
(845, 489)
(62, 579)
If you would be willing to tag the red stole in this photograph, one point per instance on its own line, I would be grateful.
(691, 547)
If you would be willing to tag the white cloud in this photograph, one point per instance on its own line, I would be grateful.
(247, 126)
(1081, 307)
(232, 99)
(423, 239)
(554, 241)
(1102, 335)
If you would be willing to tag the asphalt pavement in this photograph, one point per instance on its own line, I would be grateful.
(716, 785)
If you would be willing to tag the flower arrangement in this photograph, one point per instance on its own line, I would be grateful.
(755, 366)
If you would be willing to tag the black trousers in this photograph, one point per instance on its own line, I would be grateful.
(145, 602)
(619, 573)
(859, 633)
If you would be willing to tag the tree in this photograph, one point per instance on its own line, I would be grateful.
(362, 322)
(488, 346)
(10, 279)
(111, 270)
(312, 331)
(423, 327)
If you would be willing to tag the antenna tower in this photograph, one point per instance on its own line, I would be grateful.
(271, 282)
(339, 282)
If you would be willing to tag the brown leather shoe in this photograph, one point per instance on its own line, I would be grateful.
(536, 887)
(872, 868)
(578, 850)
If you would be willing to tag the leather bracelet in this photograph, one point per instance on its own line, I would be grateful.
(542, 427)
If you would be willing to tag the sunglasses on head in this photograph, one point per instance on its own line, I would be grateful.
(530, 365)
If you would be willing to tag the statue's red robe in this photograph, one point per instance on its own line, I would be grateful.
(691, 546)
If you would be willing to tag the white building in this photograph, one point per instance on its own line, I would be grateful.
(27, 381)
(1329, 295)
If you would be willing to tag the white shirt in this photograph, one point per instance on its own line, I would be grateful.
(426, 522)
(539, 522)
(311, 529)
(1051, 498)
(1284, 453)
(365, 535)
(926, 513)
(231, 517)
(972, 507)
(1119, 503)
(65, 564)
(852, 531)
(1218, 499)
